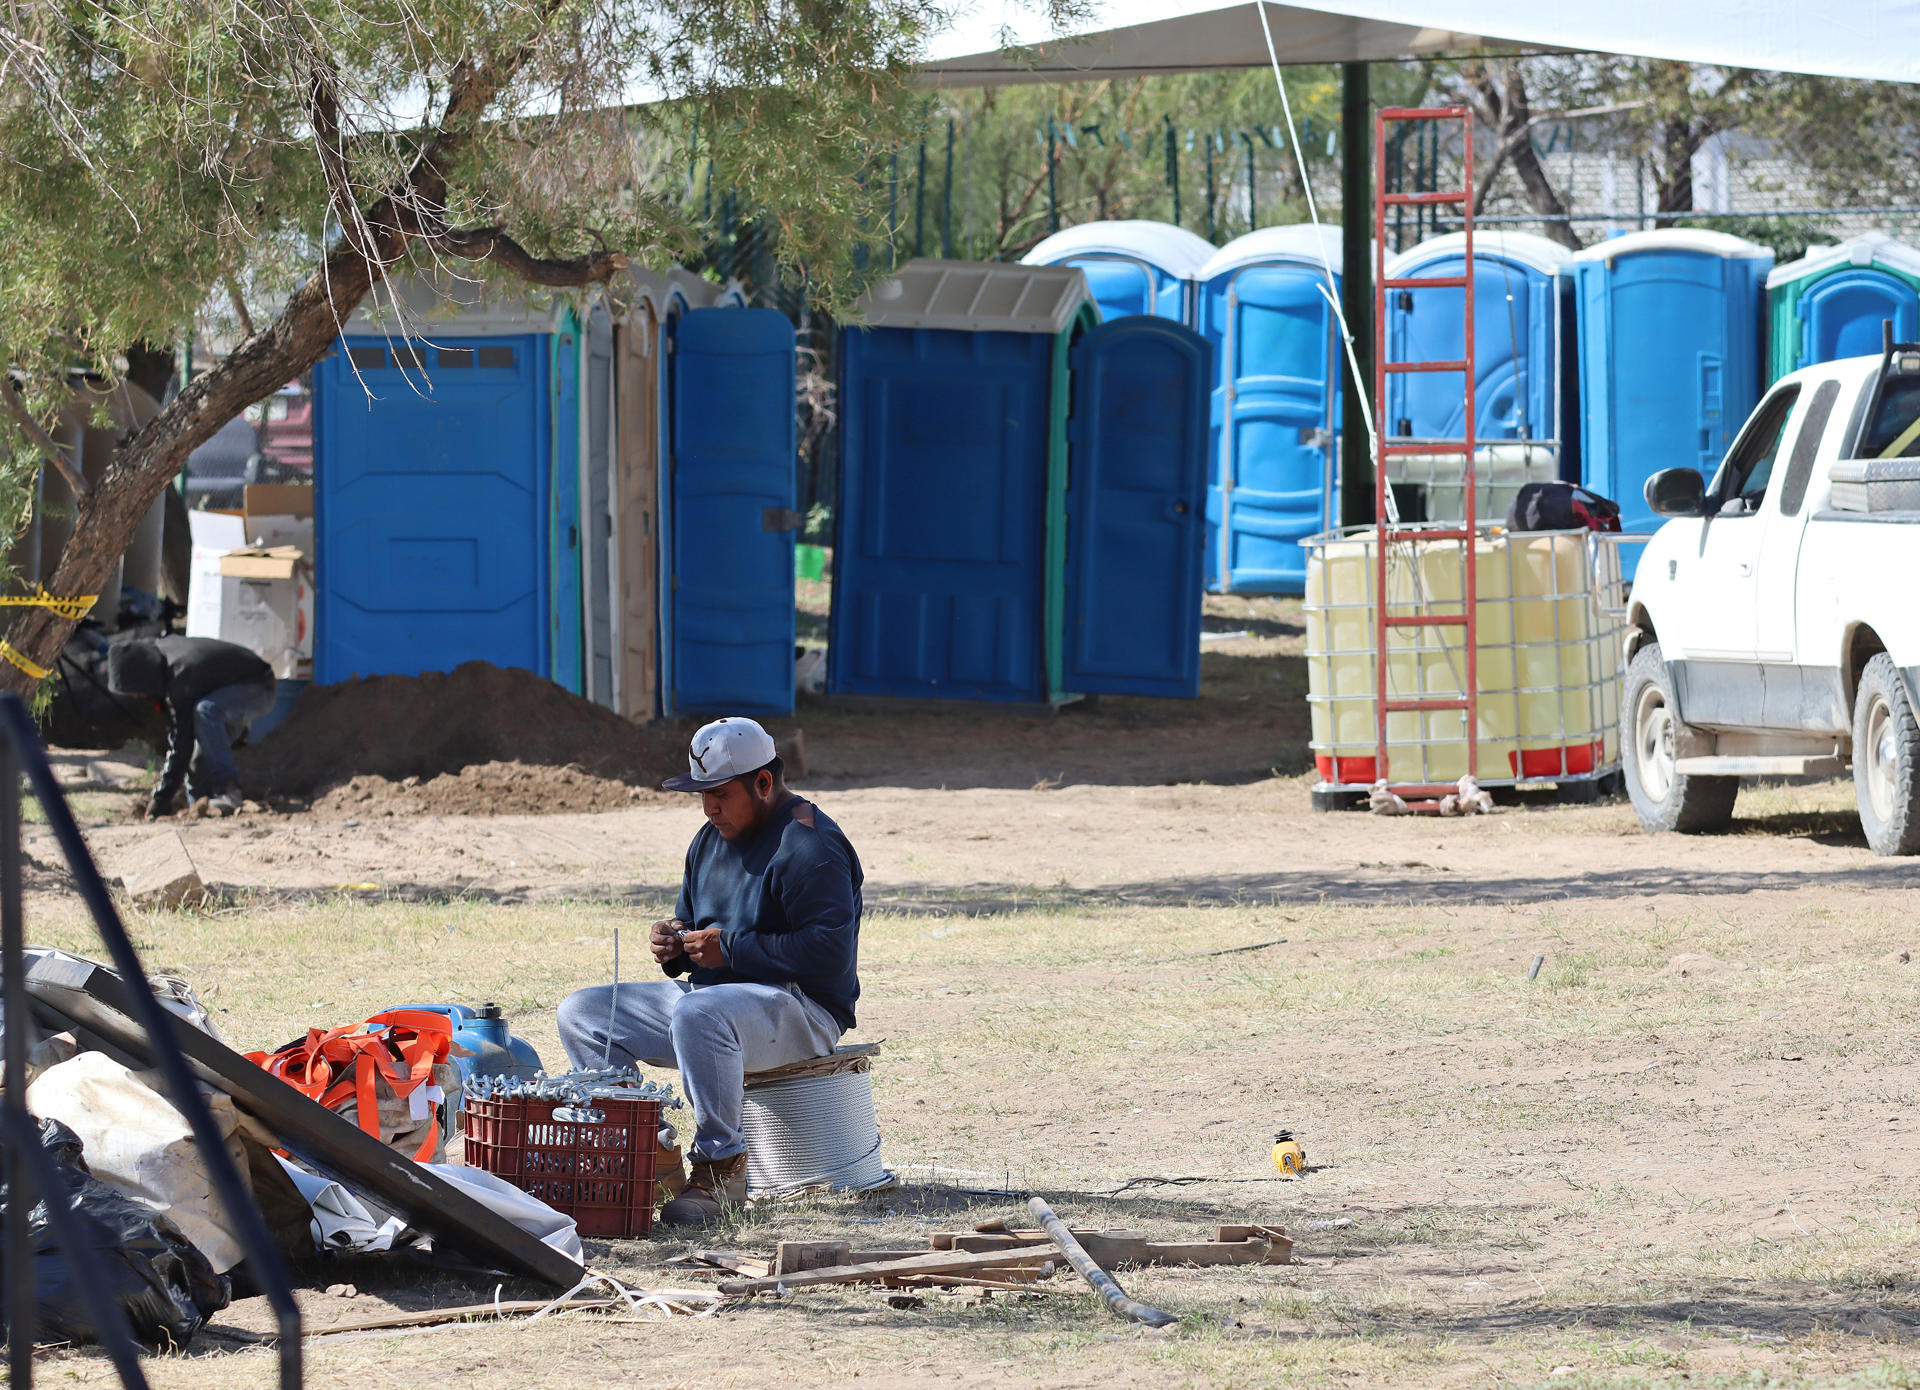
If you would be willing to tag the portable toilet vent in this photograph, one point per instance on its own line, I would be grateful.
(1830, 303)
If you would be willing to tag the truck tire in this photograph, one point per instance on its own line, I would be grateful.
(1663, 798)
(1886, 759)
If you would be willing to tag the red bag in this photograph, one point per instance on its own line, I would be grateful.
(399, 1057)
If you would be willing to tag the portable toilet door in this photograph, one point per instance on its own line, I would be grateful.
(733, 467)
(1669, 327)
(565, 538)
(1518, 321)
(1132, 267)
(597, 493)
(1136, 536)
(433, 462)
(1830, 303)
(941, 580)
(635, 558)
(683, 291)
(1274, 420)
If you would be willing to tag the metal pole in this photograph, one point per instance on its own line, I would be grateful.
(22, 1322)
(1053, 198)
(1173, 167)
(1212, 230)
(946, 202)
(1253, 210)
(1356, 287)
(920, 204)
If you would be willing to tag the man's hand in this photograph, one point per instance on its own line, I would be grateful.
(703, 948)
(665, 940)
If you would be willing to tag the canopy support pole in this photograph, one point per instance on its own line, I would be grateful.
(1356, 288)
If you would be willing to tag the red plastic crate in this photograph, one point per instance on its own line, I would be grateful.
(601, 1174)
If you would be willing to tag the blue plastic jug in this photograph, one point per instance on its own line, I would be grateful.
(482, 1032)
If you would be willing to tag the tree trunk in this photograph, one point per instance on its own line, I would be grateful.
(1541, 196)
(106, 518)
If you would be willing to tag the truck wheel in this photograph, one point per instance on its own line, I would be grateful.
(1663, 798)
(1886, 753)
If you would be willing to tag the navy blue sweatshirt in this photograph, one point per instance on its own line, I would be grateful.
(787, 903)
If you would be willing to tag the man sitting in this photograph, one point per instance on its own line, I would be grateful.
(766, 935)
(211, 691)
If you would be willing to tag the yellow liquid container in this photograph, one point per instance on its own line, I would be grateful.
(1548, 658)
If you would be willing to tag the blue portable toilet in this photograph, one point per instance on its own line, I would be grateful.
(947, 443)
(1132, 267)
(1670, 330)
(1522, 310)
(1274, 427)
(1021, 491)
(1830, 303)
(440, 438)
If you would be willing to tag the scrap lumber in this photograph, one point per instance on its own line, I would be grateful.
(1101, 1282)
(797, 1256)
(933, 1262)
(1232, 1245)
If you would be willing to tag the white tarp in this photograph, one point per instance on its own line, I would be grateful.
(1130, 38)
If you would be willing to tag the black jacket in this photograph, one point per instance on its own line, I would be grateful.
(194, 667)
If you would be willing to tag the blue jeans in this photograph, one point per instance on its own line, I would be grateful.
(218, 720)
(714, 1034)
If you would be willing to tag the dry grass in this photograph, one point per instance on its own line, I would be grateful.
(1637, 1170)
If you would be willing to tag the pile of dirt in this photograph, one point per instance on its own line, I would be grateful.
(479, 740)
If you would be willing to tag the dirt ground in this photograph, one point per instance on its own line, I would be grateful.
(1109, 953)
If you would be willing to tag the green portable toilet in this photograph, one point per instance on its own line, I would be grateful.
(1830, 303)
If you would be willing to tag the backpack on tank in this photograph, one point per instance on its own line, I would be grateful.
(1561, 507)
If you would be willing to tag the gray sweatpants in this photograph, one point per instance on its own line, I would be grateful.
(713, 1034)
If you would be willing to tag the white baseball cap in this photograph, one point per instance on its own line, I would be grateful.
(721, 751)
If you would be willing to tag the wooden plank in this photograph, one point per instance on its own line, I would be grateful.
(796, 1256)
(934, 1262)
(636, 509)
(1111, 1248)
(852, 1057)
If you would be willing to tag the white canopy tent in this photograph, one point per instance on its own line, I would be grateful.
(1878, 39)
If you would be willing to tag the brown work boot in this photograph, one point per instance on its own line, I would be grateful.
(669, 1172)
(716, 1185)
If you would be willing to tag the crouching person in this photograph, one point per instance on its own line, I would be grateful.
(761, 953)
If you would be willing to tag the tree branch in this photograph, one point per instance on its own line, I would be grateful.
(239, 308)
(493, 244)
(46, 443)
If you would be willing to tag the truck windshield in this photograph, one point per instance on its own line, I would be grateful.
(1894, 431)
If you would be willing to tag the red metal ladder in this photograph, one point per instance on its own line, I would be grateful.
(1387, 529)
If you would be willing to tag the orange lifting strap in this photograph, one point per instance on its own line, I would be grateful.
(332, 1065)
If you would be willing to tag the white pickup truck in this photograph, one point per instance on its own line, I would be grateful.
(1773, 626)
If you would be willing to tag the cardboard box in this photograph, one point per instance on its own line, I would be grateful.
(279, 514)
(260, 597)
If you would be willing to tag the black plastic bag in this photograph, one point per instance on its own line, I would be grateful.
(141, 1260)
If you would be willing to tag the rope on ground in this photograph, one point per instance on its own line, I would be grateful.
(632, 1300)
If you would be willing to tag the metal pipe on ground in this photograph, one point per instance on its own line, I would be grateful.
(1102, 1282)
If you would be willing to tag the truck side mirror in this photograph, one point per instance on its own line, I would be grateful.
(1676, 492)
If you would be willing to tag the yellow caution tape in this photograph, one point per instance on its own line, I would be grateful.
(71, 608)
(39, 673)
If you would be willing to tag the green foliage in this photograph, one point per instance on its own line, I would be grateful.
(1790, 238)
(165, 157)
(1109, 142)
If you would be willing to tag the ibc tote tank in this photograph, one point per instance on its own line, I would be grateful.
(1671, 324)
(1276, 404)
(1830, 303)
(1132, 267)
